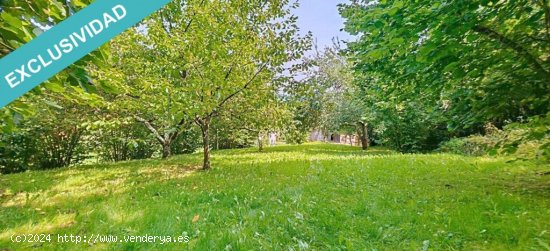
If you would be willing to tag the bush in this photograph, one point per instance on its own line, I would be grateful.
(529, 141)
(408, 129)
(121, 140)
(475, 145)
(51, 139)
(15, 153)
(188, 141)
(59, 145)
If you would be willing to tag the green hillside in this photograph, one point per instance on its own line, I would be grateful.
(309, 197)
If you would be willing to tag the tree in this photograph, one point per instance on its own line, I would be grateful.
(464, 63)
(146, 85)
(330, 84)
(253, 120)
(247, 43)
(201, 55)
(350, 116)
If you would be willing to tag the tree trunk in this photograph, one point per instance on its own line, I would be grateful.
(217, 140)
(364, 135)
(166, 150)
(205, 128)
(260, 142)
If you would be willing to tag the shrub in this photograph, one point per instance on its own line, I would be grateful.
(187, 142)
(408, 129)
(15, 152)
(475, 145)
(53, 138)
(529, 141)
(120, 140)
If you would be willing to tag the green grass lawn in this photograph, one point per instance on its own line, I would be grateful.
(315, 196)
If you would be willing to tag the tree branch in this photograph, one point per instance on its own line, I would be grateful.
(228, 73)
(192, 18)
(222, 103)
(178, 128)
(530, 58)
(163, 19)
(132, 96)
(151, 128)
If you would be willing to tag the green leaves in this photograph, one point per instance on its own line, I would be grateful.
(376, 54)
(79, 3)
(486, 61)
(11, 20)
(199, 61)
(20, 22)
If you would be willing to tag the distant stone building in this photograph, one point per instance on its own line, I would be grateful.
(318, 136)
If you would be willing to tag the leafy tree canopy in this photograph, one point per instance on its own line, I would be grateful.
(475, 61)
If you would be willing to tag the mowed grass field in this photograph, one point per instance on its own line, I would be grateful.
(308, 197)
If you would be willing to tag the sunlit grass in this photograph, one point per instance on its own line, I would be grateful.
(290, 197)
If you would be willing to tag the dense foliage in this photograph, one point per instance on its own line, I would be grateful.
(53, 138)
(466, 77)
(327, 99)
(187, 63)
(20, 22)
(525, 141)
(434, 69)
(192, 67)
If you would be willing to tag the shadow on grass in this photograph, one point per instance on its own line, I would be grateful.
(25, 201)
(162, 196)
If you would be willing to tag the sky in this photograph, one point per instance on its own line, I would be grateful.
(322, 18)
